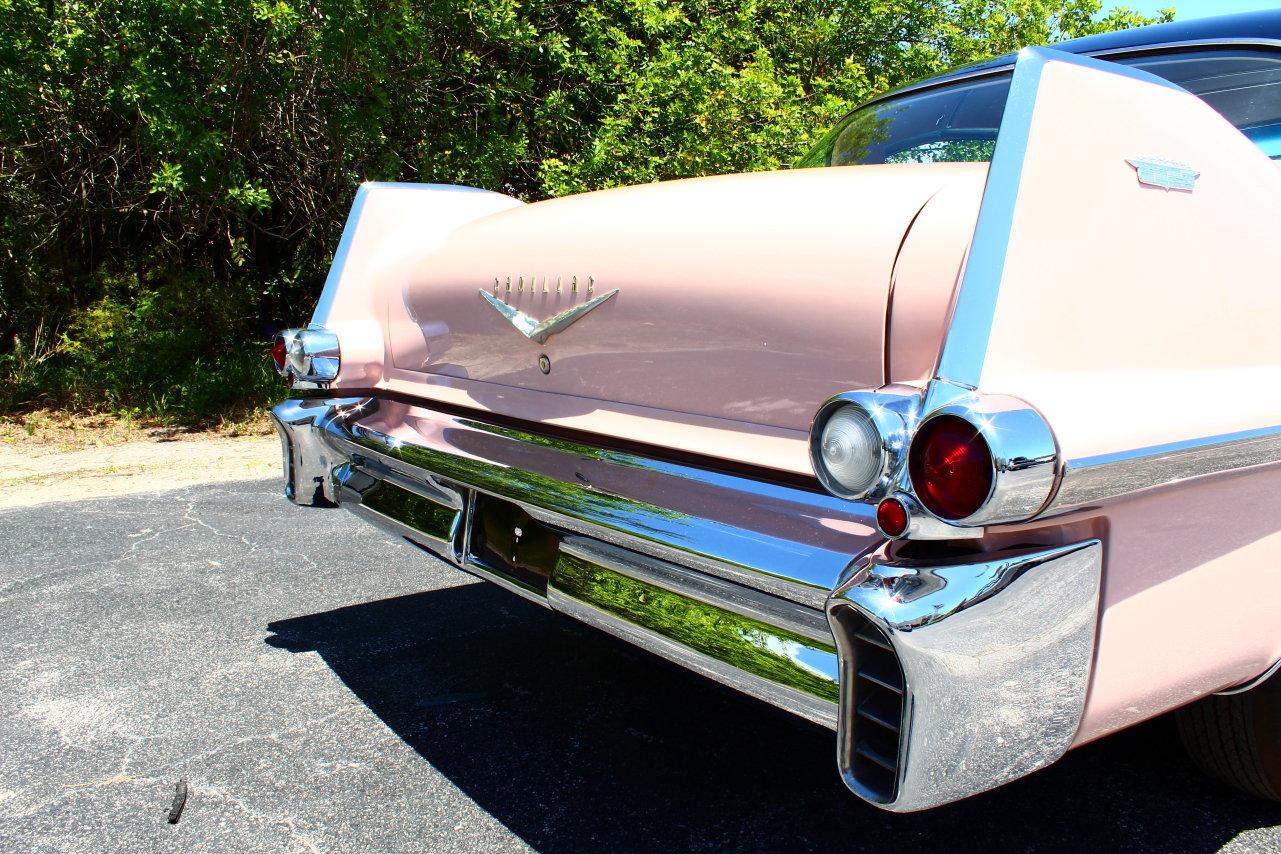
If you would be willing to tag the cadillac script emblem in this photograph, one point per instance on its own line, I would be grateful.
(1167, 174)
(541, 330)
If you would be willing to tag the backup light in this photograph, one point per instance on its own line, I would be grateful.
(858, 441)
(851, 450)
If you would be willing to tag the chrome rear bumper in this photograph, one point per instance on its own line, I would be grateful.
(942, 679)
(993, 659)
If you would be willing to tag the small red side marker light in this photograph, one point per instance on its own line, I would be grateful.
(891, 516)
(278, 353)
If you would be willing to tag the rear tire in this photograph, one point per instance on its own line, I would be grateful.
(1237, 738)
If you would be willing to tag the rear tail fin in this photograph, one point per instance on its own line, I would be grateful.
(1125, 261)
(390, 228)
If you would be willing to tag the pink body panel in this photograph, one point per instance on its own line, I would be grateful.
(1152, 311)
(746, 297)
(1191, 592)
(925, 277)
(744, 301)
(391, 226)
(1134, 316)
(738, 441)
(1191, 599)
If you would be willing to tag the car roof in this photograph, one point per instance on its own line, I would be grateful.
(1247, 27)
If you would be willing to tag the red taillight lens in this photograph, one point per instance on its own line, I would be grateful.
(891, 515)
(951, 467)
(278, 353)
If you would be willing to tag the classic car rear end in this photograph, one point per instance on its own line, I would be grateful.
(943, 455)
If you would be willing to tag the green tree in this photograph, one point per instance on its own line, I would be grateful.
(174, 173)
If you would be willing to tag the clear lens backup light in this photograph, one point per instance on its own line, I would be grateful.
(858, 441)
(851, 451)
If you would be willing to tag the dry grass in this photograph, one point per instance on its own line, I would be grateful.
(46, 431)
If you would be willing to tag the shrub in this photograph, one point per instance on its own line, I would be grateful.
(174, 173)
(168, 343)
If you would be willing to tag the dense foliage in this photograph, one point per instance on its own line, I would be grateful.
(174, 173)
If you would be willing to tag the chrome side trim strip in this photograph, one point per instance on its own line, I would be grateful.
(996, 657)
(1253, 683)
(1093, 479)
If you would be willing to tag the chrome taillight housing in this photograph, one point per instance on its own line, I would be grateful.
(858, 441)
(939, 465)
(982, 460)
(310, 357)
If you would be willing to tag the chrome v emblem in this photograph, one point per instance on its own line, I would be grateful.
(541, 330)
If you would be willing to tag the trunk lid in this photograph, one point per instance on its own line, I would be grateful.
(746, 297)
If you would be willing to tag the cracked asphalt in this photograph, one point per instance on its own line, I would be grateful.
(323, 688)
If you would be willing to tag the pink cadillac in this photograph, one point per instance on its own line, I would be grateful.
(965, 443)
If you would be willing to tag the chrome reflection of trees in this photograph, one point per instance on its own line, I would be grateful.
(435, 520)
(947, 151)
(750, 645)
(540, 490)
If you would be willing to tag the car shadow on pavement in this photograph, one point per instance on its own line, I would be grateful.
(573, 740)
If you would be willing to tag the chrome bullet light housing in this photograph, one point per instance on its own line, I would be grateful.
(859, 439)
(311, 356)
(983, 460)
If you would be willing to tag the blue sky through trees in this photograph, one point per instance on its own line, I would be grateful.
(1189, 9)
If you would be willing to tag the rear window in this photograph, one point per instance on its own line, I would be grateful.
(958, 123)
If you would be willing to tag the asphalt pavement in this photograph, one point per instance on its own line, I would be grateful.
(321, 687)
